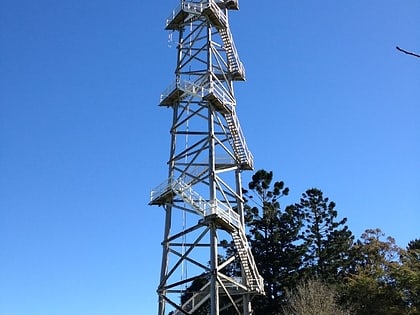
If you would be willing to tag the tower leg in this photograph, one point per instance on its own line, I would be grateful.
(246, 305)
(214, 290)
(164, 266)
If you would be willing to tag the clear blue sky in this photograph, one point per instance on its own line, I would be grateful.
(329, 103)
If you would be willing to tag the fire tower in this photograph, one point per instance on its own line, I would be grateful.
(202, 196)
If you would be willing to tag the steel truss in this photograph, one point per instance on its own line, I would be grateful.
(208, 152)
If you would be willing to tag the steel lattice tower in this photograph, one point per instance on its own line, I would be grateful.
(202, 196)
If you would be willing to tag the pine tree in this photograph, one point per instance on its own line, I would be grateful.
(327, 239)
(274, 239)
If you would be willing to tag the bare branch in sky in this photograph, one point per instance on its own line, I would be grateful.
(407, 52)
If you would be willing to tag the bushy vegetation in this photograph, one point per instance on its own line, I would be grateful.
(309, 258)
(313, 297)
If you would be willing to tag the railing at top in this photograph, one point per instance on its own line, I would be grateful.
(189, 7)
(197, 8)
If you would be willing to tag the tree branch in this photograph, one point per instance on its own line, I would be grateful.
(407, 52)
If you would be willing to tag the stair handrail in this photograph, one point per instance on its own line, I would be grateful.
(220, 14)
(201, 205)
(257, 278)
(248, 155)
(222, 94)
(190, 196)
(192, 300)
(239, 65)
(227, 213)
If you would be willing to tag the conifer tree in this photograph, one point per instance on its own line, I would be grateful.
(327, 239)
(274, 239)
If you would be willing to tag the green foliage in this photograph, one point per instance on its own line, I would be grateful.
(407, 276)
(327, 240)
(374, 276)
(373, 286)
(414, 245)
(301, 241)
(274, 239)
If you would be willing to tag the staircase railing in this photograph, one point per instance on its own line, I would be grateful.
(238, 141)
(196, 300)
(200, 205)
(223, 96)
(254, 279)
(218, 12)
(235, 65)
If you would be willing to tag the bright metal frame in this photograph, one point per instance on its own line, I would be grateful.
(208, 152)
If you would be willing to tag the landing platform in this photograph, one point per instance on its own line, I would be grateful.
(176, 21)
(170, 98)
(232, 4)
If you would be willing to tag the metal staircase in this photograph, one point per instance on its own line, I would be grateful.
(190, 11)
(165, 193)
(254, 281)
(224, 103)
(229, 219)
(195, 301)
(236, 68)
(201, 296)
(238, 142)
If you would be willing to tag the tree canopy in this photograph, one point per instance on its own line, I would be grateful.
(309, 241)
(310, 260)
